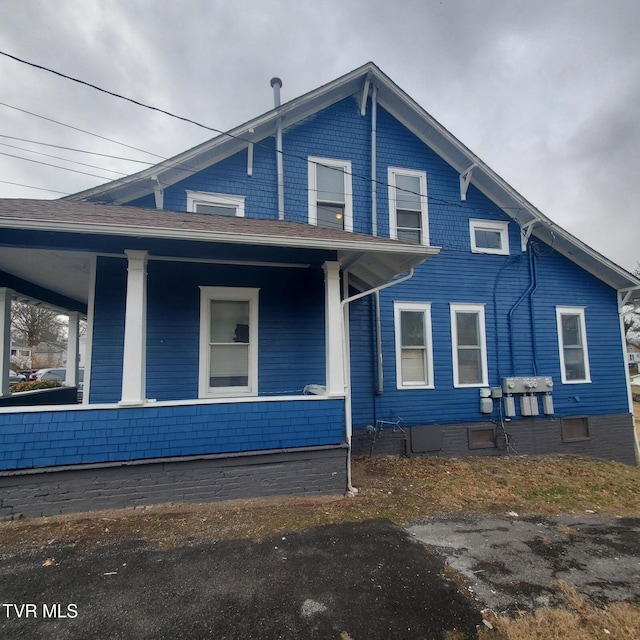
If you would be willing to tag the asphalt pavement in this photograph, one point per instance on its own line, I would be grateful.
(357, 581)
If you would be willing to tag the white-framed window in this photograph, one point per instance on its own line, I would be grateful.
(469, 345)
(228, 341)
(330, 194)
(408, 210)
(489, 236)
(572, 345)
(217, 204)
(414, 350)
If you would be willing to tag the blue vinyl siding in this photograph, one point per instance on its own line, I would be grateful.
(291, 314)
(291, 327)
(475, 279)
(49, 438)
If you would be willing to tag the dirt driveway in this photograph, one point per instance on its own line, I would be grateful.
(355, 581)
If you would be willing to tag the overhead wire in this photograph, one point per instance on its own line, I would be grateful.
(368, 179)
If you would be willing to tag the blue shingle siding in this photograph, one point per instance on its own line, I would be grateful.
(454, 278)
(291, 327)
(99, 435)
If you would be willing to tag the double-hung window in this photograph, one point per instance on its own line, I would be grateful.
(489, 236)
(572, 343)
(469, 345)
(414, 353)
(217, 204)
(330, 195)
(228, 341)
(408, 212)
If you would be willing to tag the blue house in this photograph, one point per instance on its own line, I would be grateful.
(338, 276)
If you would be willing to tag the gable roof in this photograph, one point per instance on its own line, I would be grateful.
(410, 114)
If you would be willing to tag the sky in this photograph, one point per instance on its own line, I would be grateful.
(546, 92)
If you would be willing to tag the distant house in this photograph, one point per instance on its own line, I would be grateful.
(267, 304)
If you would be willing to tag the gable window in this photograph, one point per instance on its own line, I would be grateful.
(572, 343)
(228, 341)
(330, 196)
(408, 219)
(414, 355)
(217, 204)
(469, 345)
(489, 236)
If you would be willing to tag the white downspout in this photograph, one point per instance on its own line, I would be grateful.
(276, 83)
(374, 161)
(346, 364)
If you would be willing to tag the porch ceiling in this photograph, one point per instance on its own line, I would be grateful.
(71, 232)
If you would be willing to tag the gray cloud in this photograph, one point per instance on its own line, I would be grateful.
(544, 91)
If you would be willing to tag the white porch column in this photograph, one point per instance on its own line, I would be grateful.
(334, 344)
(134, 361)
(73, 346)
(5, 339)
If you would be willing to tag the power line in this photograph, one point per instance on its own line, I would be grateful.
(203, 126)
(47, 164)
(28, 186)
(4, 104)
(93, 153)
(48, 155)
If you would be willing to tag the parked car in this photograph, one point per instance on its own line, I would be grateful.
(15, 378)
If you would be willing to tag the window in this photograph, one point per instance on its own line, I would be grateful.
(217, 204)
(408, 219)
(330, 196)
(228, 341)
(572, 342)
(469, 345)
(489, 236)
(414, 357)
(574, 429)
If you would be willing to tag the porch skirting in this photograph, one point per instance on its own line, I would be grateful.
(609, 436)
(75, 488)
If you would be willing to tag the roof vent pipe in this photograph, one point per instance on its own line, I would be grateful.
(276, 83)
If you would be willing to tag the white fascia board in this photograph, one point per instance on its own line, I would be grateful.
(222, 237)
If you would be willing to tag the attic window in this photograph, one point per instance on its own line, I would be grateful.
(330, 198)
(408, 216)
(217, 204)
(489, 236)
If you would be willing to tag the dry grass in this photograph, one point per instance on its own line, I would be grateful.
(636, 411)
(400, 489)
(578, 620)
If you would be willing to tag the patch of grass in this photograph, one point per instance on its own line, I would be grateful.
(399, 489)
(576, 621)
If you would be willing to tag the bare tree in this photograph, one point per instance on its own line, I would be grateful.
(32, 325)
(631, 317)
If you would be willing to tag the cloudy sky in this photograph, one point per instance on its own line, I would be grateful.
(546, 92)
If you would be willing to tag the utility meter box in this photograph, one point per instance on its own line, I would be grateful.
(528, 384)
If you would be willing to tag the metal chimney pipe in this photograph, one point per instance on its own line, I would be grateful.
(276, 83)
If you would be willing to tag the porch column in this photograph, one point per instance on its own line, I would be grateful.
(334, 344)
(5, 339)
(134, 361)
(73, 345)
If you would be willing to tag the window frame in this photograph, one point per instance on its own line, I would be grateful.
(502, 226)
(345, 165)
(234, 294)
(479, 309)
(392, 174)
(562, 311)
(194, 198)
(425, 309)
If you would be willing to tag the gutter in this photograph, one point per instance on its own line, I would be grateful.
(345, 363)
